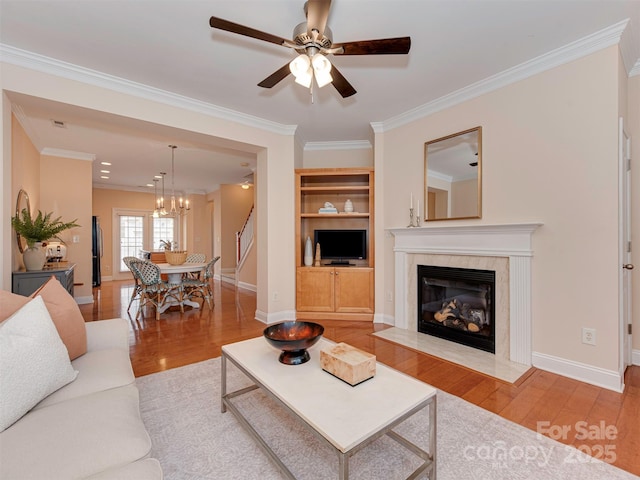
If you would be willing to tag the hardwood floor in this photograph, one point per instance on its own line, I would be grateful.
(599, 422)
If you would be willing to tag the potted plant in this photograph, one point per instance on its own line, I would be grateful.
(35, 231)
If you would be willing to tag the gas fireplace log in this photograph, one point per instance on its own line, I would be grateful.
(473, 327)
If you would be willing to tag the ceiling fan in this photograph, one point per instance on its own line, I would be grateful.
(313, 41)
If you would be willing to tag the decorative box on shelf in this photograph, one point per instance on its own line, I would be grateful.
(348, 363)
(327, 210)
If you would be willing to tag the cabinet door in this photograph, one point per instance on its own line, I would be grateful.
(314, 289)
(354, 290)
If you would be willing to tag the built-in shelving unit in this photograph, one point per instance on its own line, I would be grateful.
(327, 291)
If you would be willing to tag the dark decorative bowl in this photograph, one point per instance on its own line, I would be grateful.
(293, 338)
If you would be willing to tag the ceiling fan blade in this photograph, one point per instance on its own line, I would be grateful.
(275, 77)
(228, 26)
(341, 84)
(383, 46)
(317, 14)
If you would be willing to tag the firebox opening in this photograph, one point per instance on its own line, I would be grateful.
(457, 304)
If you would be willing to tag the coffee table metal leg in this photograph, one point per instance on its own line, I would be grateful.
(344, 466)
(433, 420)
(223, 382)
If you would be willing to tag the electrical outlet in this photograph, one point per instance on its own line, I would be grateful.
(589, 336)
(276, 296)
(389, 296)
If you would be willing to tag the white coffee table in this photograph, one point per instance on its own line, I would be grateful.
(347, 418)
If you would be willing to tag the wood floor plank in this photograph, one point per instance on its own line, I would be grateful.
(198, 334)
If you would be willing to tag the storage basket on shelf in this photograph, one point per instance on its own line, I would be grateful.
(175, 257)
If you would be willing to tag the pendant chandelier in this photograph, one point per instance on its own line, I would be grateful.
(182, 205)
(156, 202)
(161, 208)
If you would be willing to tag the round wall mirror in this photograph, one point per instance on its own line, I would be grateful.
(21, 203)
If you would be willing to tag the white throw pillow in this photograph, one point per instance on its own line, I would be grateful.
(33, 361)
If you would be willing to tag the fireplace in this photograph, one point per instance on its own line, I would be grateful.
(505, 249)
(457, 304)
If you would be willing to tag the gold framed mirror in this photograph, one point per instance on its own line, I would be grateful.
(22, 202)
(453, 176)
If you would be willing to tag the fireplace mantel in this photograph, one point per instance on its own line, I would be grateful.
(513, 241)
(484, 240)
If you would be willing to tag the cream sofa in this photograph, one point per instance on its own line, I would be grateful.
(91, 427)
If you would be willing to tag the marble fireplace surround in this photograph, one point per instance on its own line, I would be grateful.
(504, 248)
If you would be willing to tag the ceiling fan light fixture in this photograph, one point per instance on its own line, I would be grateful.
(322, 69)
(301, 69)
(305, 78)
(300, 65)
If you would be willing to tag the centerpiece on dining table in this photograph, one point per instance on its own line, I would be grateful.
(173, 257)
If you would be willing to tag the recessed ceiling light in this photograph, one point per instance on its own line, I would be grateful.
(104, 176)
(157, 176)
(149, 185)
(105, 171)
(105, 163)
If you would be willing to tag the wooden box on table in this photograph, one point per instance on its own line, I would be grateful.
(348, 363)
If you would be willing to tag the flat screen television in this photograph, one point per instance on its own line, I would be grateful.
(340, 246)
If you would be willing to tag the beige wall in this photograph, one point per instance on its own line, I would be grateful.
(235, 204)
(633, 125)
(55, 184)
(104, 201)
(352, 157)
(464, 198)
(549, 156)
(197, 226)
(65, 190)
(25, 174)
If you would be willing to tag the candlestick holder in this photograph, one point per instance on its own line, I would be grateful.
(411, 225)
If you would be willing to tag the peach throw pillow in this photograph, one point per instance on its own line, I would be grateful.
(66, 316)
(10, 303)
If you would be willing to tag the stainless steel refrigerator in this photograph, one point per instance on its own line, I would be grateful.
(96, 249)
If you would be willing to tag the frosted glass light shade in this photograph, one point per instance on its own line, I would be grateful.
(322, 69)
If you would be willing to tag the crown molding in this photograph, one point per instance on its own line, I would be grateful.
(341, 145)
(630, 49)
(635, 70)
(570, 52)
(377, 127)
(24, 122)
(139, 189)
(56, 152)
(40, 63)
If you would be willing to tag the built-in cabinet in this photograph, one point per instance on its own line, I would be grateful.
(328, 291)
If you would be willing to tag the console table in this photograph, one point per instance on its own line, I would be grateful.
(25, 282)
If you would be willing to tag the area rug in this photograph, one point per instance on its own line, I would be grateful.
(192, 439)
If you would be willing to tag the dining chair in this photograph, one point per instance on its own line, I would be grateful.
(136, 287)
(194, 258)
(153, 289)
(195, 287)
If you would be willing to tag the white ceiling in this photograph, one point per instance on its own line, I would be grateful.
(168, 45)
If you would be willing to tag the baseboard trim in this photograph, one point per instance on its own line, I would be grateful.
(247, 286)
(635, 357)
(275, 317)
(383, 318)
(599, 377)
(83, 300)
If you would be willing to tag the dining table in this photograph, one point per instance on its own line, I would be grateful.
(174, 274)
